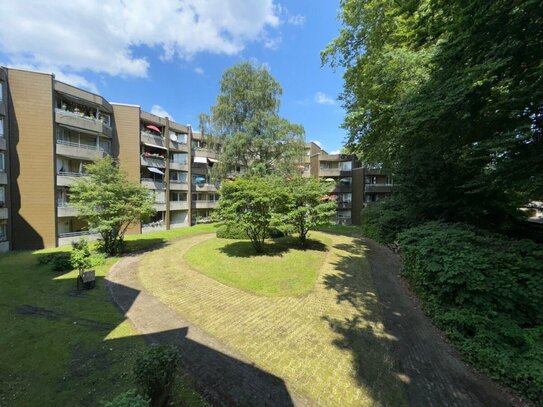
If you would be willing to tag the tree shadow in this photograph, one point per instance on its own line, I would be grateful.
(274, 248)
(142, 244)
(395, 348)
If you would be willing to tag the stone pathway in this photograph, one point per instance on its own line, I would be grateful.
(350, 342)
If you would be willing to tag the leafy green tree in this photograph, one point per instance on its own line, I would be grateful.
(308, 205)
(448, 95)
(109, 202)
(246, 119)
(253, 204)
(80, 255)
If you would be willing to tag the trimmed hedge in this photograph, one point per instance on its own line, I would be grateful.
(486, 293)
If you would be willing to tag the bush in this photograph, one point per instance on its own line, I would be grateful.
(128, 399)
(231, 232)
(486, 292)
(97, 259)
(155, 370)
(383, 220)
(60, 261)
(80, 255)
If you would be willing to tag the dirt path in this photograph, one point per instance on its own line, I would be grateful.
(357, 315)
(437, 376)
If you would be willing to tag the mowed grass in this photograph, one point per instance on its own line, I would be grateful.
(61, 347)
(284, 269)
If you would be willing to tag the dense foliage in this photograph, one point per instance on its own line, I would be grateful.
(231, 231)
(383, 220)
(80, 256)
(308, 205)
(129, 398)
(247, 122)
(155, 371)
(109, 202)
(449, 96)
(486, 292)
(253, 205)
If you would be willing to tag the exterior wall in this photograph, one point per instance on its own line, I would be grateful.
(126, 144)
(358, 195)
(32, 152)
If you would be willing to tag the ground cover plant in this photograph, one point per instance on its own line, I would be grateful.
(486, 293)
(58, 341)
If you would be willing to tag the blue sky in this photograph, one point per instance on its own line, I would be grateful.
(168, 55)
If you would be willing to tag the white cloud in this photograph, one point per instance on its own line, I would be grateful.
(158, 110)
(103, 37)
(335, 152)
(296, 19)
(322, 99)
(199, 70)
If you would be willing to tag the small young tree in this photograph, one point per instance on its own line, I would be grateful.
(309, 205)
(80, 255)
(252, 204)
(109, 202)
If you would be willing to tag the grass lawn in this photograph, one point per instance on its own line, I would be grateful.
(60, 347)
(284, 269)
(330, 345)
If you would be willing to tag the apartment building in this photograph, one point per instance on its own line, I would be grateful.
(4, 166)
(50, 130)
(354, 186)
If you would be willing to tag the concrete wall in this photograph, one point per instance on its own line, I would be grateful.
(32, 153)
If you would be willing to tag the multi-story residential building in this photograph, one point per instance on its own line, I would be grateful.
(4, 166)
(354, 186)
(54, 129)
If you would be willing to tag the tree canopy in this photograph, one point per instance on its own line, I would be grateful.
(246, 119)
(109, 202)
(447, 95)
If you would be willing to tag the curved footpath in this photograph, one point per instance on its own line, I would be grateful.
(432, 372)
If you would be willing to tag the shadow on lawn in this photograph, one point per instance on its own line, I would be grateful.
(277, 247)
(362, 333)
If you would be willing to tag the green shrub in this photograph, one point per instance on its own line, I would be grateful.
(383, 220)
(61, 262)
(155, 371)
(80, 255)
(231, 232)
(97, 259)
(128, 399)
(485, 292)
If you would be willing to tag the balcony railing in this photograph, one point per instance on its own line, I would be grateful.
(80, 120)
(149, 182)
(81, 145)
(75, 234)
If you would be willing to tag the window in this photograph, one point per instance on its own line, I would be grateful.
(180, 158)
(178, 137)
(62, 197)
(2, 195)
(160, 197)
(3, 231)
(306, 167)
(371, 180)
(1, 91)
(1, 126)
(178, 176)
(178, 196)
(345, 165)
(2, 162)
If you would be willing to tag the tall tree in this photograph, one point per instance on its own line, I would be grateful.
(246, 119)
(109, 202)
(449, 95)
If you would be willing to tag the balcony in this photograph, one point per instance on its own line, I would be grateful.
(67, 238)
(334, 172)
(64, 211)
(340, 187)
(174, 145)
(76, 120)
(344, 205)
(152, 139)
(66, 179)
(159, 206)
(205, 152)
(2, 143)
(2, 107)
(3, 213)
(3, 178)
(178, 186)
(179, 166)
(80, 151)
(152, 184)
(176, 205)
(378, 188)
(204, 204)
(153, 162)
(205, 187)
